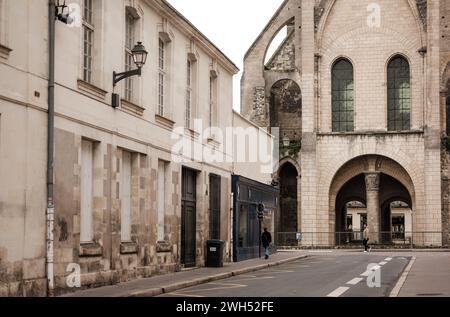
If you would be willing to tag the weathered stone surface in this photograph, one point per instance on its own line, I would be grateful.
(283, 59)
(345, 33)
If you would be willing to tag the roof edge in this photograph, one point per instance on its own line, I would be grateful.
(166, 5)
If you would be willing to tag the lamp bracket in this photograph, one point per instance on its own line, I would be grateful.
(120, 76)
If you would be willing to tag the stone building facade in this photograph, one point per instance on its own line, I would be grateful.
(371, 123)
(125, 205)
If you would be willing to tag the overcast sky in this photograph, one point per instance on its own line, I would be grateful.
(232, 25)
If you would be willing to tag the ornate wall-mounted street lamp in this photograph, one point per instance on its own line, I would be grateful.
(62, 14)
(139, 58)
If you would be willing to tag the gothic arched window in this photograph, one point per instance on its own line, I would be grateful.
(399, 94)
(343, 96)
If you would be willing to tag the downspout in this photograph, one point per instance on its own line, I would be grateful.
(233, 168)
(50, 148)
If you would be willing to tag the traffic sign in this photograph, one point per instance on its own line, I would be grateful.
(260, 215)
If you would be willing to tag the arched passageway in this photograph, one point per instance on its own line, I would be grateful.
(376, 191)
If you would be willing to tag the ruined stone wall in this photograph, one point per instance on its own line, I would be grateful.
(253, 85)
(284, 59)
(286, 109)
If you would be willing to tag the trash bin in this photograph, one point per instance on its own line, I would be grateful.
(214, 253)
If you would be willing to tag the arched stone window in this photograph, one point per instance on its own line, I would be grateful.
(342, 96)
(399, 94)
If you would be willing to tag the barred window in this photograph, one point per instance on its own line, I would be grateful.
(342, 96)
(162, 75)
(88, 40)
(399, 95)
(188, 94)
(129, 43)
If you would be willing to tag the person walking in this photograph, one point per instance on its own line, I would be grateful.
(266, 239)
(366, 239)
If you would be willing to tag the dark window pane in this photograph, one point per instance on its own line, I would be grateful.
(342, 96)
(399, 95)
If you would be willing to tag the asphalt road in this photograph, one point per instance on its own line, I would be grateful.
(319, 275)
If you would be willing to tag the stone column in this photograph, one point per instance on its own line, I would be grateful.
(373, 205)
(310, 227)
(429, 219)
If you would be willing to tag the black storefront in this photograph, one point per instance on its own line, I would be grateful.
(247, 194)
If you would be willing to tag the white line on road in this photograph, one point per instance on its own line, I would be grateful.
(383, 263)
(402, 280)
(355, 281)
(388, 259)
(372, 269)
(338, 292)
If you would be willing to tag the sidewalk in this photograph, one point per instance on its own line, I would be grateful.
(429, 276)
(162, 284)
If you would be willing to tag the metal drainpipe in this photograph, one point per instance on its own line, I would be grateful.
(50, 148)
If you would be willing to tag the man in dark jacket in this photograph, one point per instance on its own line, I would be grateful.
(266, 240)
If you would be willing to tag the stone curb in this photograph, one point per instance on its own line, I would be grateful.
(151, 292)
(410, 250)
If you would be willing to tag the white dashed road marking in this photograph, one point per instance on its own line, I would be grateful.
(383, 263)
(372, 269)
(388, 259)
(355, 281)
(338, 292)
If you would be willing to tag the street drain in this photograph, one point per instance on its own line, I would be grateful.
(431, 294)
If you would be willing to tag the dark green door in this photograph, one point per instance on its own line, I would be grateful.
(214, 206)
(188, 217)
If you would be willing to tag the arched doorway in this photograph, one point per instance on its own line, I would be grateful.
(374, 190)
(288, 222)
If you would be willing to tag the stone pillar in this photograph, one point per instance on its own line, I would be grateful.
(309, 175)
(430, 218)
(373, 205)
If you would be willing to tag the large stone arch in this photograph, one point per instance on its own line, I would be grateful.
(328, 7)
(369, 164)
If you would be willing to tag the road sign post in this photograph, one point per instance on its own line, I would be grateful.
(260, 219)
